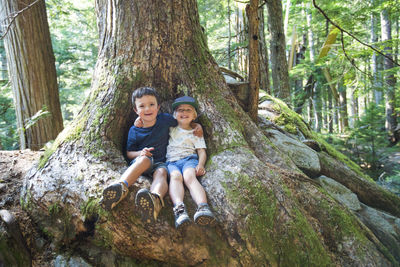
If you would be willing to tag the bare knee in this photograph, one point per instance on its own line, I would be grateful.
(189, 179)
(142, 160)
(160, 174)
(176, 177)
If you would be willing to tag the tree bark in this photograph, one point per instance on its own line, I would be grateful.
(268, 212)
(254, 64)
(279, 66)
(32, 71)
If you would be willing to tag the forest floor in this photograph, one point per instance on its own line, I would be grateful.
(13, 167)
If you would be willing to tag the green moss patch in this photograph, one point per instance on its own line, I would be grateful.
(289, 243)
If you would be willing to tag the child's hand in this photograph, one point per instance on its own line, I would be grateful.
(146, 151)
(200, 171)
(138, 122)
(198, 130)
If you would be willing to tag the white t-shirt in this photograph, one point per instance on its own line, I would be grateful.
(182, 143)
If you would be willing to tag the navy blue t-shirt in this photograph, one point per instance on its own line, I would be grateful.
(156, 136)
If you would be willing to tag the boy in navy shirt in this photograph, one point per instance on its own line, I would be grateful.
(146, 148)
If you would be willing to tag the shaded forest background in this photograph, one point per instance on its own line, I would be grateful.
(337, 81)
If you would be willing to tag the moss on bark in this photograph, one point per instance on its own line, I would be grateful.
(268, 238)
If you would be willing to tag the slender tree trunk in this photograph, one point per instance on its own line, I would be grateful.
(300, 56)
(331, 114)
(377, 85)
(254, 65)
(390, 80)
(229, 36)
(336, 117)
(32, 72)
(263, 54)
(241, 38)
(344, 116)
(354, 108)
(287, 11)
(279, 66)
(325, 111)
(3, 63)
(310, 33)
(317, 108)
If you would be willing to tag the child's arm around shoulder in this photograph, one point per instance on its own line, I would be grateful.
(198, 130)
(200, 170)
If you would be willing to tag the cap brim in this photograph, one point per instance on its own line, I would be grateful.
(176, 104)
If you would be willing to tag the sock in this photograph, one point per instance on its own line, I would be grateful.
(126, 183)
(177, 204)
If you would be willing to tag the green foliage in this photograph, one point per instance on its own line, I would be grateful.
(368, 135)
(75, 44)
(8, 125)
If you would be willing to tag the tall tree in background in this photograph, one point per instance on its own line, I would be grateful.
(32, 71)
(376, 81)
(263, 54)
(254, 67)
(390, 80)
(279, 66)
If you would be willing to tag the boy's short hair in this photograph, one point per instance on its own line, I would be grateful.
(142, 91)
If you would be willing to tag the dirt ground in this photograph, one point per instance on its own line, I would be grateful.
(13, 167)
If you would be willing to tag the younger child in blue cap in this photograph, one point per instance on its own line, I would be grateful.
(186, 156)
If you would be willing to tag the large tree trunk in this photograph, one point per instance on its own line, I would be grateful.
(32, 71)
(279, 66)
(268, 212)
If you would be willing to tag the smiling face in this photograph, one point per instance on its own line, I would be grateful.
(185, 114)
(147, 109)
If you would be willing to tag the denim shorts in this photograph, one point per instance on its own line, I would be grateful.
(181, 165)
(153, 166)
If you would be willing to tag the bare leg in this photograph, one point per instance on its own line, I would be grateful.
(116, 192)
(135, 170)
(176, 189)
(159, 185)
(196, 189)
(150, 202)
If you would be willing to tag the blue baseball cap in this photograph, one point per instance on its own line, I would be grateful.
(185, 100)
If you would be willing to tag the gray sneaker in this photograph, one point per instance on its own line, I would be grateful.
(181, 217)
(204, 215)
